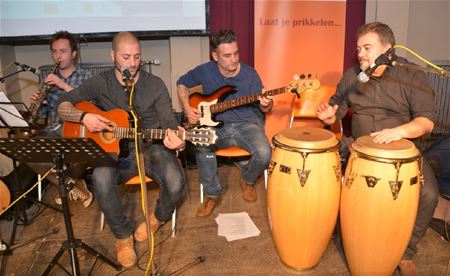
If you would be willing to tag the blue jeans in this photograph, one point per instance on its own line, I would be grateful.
(250, 137)
(161, 165)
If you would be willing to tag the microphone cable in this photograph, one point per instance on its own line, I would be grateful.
(136, 147)
(421, 58)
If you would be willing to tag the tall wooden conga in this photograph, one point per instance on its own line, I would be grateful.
(379, 204)
(303, 194)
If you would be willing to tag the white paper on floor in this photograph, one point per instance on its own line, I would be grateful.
(236, 226)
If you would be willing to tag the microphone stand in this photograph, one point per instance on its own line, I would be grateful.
(2, 79)
(441, 73)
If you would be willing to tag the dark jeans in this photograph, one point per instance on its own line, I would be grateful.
(428, 199)
(250, 137)
(161, 165)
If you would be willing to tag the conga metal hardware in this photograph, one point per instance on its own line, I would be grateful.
(272, 165)
(421, 178)
(350, 178)
(285, 169)
(337, 172)
(371, 181)
(351, 175)
(302, 173)
(303, 176)
(414, 180)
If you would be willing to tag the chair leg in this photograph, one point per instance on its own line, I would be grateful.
(201, 193)
(292, 120)
(174, 222)
(266, 176)
(102, 221)
(39, 187)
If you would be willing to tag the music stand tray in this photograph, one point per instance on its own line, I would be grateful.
(60, 151)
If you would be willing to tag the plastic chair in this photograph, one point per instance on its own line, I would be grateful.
(233, 151)
(305, 109)
(133, 181)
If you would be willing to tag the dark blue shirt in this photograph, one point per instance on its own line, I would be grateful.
(246, 81)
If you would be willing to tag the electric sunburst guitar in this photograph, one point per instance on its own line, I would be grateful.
(209, 105)
(109, 140)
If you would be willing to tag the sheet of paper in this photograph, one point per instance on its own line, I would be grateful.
(9, 114)
(236, 226)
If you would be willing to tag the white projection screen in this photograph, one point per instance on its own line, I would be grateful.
(24, 20)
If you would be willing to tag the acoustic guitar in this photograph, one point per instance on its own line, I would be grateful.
(5, 196)
(215, 103)
(109, 140)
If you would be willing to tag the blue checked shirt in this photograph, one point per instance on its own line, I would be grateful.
(48, 110)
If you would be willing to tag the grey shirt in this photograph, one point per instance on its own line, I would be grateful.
(396, 98)
(151, 98)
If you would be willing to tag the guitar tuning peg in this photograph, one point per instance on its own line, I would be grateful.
(309, 76)
(302, 76)
(296, 77)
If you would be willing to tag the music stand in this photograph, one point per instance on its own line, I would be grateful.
(11, 119)
(60, 151)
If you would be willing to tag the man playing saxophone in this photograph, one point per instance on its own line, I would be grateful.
(64, 76)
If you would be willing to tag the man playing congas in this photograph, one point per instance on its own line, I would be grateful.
(392, 104)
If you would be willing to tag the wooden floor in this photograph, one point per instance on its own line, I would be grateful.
(196, 249)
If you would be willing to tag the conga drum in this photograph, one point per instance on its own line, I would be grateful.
(379, 204)
(303, 194)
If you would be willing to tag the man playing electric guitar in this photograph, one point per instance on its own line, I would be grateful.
(242, 126)
(150, 100)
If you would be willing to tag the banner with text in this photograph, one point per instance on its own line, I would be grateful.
(299, 37)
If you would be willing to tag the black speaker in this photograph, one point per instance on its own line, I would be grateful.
(438, 155)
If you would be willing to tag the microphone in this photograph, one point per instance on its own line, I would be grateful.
(363, 77)
(126, 75)
(28, 68)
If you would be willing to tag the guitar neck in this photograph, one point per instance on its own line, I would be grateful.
(153, 134)
(222, 106)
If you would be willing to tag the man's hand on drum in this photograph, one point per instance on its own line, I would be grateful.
(386, 136)
(327, 113)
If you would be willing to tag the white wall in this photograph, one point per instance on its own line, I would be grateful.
(422, 26)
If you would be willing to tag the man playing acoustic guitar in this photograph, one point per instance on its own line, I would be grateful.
(242, 126)
(152, 103)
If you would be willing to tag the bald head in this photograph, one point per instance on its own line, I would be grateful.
(124, 37)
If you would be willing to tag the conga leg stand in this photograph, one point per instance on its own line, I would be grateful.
(71, 244)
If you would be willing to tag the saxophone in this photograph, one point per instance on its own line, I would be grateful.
(43, 89)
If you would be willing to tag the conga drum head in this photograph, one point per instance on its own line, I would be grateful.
(394, 150)
(309, 138)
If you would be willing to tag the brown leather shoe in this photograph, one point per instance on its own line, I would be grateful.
(125, 252)
(141, 231)
(209, 203)
(248, 191)
(408, 268)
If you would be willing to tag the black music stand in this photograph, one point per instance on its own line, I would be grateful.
(60, 151)
(11, 119)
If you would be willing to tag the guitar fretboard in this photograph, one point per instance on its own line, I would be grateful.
(222, 106)
(154, 134)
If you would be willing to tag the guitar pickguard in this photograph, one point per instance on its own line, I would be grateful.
(207, 117)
